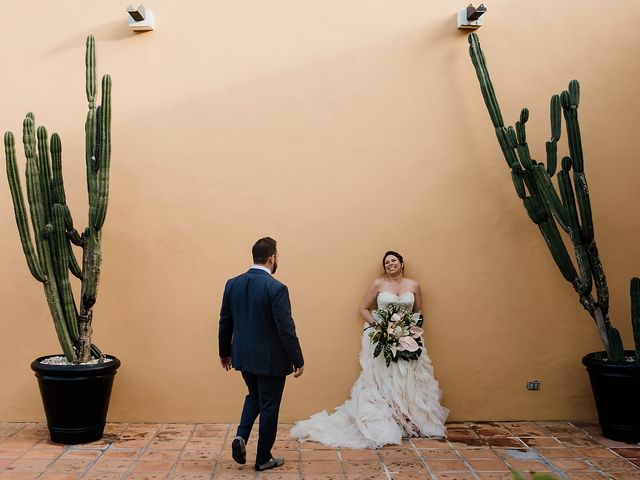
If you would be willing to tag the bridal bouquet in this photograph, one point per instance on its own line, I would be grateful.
(396, 333)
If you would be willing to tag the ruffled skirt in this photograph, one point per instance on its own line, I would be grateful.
(386, 404)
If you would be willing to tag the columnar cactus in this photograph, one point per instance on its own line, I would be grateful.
(571, 209)
(52, 258)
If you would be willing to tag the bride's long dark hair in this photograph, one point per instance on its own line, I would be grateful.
(395, 254)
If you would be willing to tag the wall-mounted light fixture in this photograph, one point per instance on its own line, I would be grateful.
(470, 18)
(140, 19)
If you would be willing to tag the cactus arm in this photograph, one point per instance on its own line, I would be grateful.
(558, 251)
(518, 183)
(18, 206)
(635, 313)
(44, 167)
(73, 265)
(507, 150)
(551, 148)
(556, 118)
(551, 198)
(584, 204)
(105, 154)
(90, 68)
(61, 267)
(486, 86)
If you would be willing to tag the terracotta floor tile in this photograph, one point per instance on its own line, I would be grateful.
(152, 466)
(190, 476)
(406, 468)
(363, 466)
(430, 443)
(202, 443)
(309, 455)
(170, 444)
(586, 475)
(525, 429)
(112, 465)
(408, 475)
(439, 454)
(505, 442)
(625, 475)
(195, 466)
(577, 441)
(528, 465)
(324, 476)
(60, 476)
(8, 475)
(570, 464)
(248, 475)
(81, 454)
(245, 475)
(147, 476)
(612, 464)
(103, 476)
(541, 442)
(471, 443)
(28, 465)
(629, 452)
(561, 452)
(166, 455)
(399, 454)
(194, 454)
(321, 466)
(593, 452)
(69, 465)
(494, 476)
(488, 465)
(455, 476)
(365, 454)
(365, 476)
(37, 453)
(228, 467)
(446, 465)
(477, 453)
(492, 429)
(277, 474)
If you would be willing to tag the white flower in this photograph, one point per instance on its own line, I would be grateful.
(408, 344)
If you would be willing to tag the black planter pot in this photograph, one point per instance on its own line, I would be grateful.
(616, 390)
(75, 398)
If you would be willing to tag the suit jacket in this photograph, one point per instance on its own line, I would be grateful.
(256, 329)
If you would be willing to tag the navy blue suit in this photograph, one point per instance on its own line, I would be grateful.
(256, 330)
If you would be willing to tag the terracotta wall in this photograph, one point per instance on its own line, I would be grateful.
(342, 129)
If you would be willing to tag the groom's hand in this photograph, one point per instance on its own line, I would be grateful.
(298, 371)
(226, 363)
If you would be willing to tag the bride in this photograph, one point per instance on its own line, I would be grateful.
(387, 403)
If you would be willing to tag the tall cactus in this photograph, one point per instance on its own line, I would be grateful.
(52, 258)
(570, 209)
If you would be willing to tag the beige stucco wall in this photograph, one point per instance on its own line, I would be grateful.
(342, 129)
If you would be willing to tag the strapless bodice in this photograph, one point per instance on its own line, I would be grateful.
(387, 298)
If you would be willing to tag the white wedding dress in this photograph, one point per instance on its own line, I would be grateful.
(386, 404)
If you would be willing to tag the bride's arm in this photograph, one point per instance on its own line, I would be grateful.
(368, 301)
(417, 303)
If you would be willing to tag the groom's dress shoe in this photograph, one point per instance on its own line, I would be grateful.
(238, 450)
(273, 463)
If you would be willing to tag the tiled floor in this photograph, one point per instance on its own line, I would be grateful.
(473, 451)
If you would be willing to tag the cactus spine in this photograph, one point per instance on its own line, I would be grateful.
(570, 210)
(52, 257)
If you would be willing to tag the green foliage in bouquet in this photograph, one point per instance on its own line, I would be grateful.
(570, 209)
(52, 259)
(397, 333)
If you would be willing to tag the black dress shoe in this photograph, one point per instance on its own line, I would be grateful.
(238, 450)
(273, 463)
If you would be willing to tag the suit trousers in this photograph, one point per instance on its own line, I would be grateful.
(265, 394)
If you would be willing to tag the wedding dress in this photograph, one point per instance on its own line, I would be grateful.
(386, 404)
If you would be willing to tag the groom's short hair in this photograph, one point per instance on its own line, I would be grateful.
(263, 249)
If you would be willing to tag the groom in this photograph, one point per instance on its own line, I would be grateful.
(257, 336)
